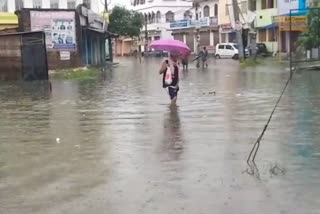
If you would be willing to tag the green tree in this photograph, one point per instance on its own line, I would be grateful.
(311, 38)
(125, 22)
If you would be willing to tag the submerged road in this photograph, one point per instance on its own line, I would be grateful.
(113, 146)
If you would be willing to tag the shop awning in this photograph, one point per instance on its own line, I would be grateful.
(270, 26)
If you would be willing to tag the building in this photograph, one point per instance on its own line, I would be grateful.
(202, 17)
(285, 8)
(13, 5)
(9, 20)
(74, 38)
(226, 19)
(23, 56)
(158, 14)
(267, 30)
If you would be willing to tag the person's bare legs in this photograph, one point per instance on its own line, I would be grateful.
(174, 101)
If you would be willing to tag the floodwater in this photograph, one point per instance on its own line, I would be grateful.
(113, 145)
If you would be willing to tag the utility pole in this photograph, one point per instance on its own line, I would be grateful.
(145, 34)
(109, 38)
(196, 4)
(236, 12)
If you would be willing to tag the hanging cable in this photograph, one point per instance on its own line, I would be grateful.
(256, 145)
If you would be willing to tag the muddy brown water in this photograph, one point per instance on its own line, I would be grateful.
(112, 145)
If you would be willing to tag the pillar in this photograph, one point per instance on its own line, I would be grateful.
(211, 38)
(195, 42)
(184, 38)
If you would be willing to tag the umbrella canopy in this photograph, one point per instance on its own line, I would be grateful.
(170, 45)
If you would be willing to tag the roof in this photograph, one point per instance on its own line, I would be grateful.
(270, 26)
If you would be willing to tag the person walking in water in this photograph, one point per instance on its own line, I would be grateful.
(173, 87)
(204, 57)
(185, 61)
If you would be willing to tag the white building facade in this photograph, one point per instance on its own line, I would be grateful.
(13, 5)
(203, 17)
(159, 14)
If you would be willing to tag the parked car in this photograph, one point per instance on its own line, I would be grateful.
(262, 49)
(228, 50)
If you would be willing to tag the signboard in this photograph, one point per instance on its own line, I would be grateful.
(213, 22)
(180, 24)
(64, 55)
(59, 27)
(203, 22)
(298, 23)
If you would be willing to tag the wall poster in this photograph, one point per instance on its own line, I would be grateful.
(59, 27)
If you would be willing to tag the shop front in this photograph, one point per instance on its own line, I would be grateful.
(227, 33)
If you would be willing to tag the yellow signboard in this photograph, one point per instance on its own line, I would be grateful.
(8, 18)
(297, 23)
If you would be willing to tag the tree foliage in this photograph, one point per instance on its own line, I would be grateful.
(311, 38)
(125, 22)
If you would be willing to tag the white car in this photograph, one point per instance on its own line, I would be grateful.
(228, 50)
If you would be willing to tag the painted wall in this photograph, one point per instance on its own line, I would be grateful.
(285, 7)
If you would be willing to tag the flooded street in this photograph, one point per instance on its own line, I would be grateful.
(113, 145)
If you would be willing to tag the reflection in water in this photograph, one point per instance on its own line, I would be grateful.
(173, 136)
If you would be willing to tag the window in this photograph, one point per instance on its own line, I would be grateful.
(227, 10)
(54, 4)
(206, 11)
(4, 5)
(262, 35)
(37, 3)
(71, 4)
(158, 17)
(19, 4)
(153, 17)
(244, 7)
(272, 33)
(142, 1)
(221, 47)
(263, 4)
(253, 5)
(229, 47)
(266, 4)
(270, 4)
(149, 18)
(187, 15)
(88, 3)
(169, 16)
(216, 10)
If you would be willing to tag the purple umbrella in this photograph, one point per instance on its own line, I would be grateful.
(170, 45)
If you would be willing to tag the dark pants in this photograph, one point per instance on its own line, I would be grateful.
(173, 92)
